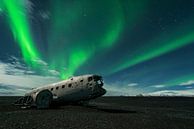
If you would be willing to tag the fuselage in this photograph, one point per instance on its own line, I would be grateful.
(75, 89)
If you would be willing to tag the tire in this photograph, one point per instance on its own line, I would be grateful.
(43, 99)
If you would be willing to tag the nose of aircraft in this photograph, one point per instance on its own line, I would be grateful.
(102, 91)
(98, 91)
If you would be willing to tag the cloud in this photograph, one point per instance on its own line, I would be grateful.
(45, 68)
(40, 62)
(188, 92)
(27, 4)
(17, 79)
(118, 89)
(189, 87)
(158, 86)
(54, 72)
(4, 87)
(9, 90)
(132, 84)
(190, 82)
(44, 15)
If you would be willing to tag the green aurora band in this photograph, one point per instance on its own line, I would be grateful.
(18, 22)
(102, 36)
(179, 80)
(161, 45)
(69, 49)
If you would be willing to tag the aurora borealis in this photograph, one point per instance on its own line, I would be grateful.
(148, 43)
(17, 17)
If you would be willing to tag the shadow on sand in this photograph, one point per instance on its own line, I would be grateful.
(111, 109)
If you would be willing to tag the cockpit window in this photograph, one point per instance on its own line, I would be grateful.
(96, 78)
(100, 82)
(89, 79)
(63, 86)
(57, 88)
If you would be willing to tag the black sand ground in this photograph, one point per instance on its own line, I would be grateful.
(104, 113)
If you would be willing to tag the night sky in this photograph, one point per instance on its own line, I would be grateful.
(138, 46)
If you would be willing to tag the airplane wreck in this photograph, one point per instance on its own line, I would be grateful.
(73, 90)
